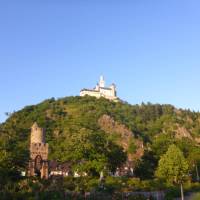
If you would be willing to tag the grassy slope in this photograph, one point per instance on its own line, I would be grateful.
(68, 115)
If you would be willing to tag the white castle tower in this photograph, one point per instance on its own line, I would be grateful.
(102, 82)
(101, 91)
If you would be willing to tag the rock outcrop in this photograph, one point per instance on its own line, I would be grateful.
(123, 136)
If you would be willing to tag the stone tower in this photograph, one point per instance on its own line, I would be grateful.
(113, 90)
(38, 164)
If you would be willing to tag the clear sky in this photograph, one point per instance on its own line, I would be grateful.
(150, 49)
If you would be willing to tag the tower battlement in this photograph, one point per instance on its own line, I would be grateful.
(37, 134)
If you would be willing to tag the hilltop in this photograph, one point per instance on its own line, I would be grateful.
(137, 128)
(93, 133)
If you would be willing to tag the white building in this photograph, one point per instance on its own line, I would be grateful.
(101, 91)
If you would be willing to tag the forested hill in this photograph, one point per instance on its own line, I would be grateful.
(151, 127)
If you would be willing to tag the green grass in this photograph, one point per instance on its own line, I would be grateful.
(196, 196)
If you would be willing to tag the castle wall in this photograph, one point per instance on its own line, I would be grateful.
(90, 93)
(39, 149)
(106, 92)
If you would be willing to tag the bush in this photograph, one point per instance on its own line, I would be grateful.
(134, 184)
(112, 184)
(137, 197)
(172, 193)
(196, 197)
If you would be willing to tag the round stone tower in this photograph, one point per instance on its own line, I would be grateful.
(38, 163)
(37, 134)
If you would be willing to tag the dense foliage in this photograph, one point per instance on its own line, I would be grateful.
(172, 166)
(91, 152)
(73, 133)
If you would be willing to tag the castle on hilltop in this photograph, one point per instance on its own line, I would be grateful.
(101, 91)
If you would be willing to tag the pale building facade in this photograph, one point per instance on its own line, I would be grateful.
(101, 91)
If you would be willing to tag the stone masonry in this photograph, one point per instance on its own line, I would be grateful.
(38, 164)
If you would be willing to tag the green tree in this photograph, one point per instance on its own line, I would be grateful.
(173, 167)
(132, 146)
(91, 152)
(146, 166)
(194, 162)
(160, 144)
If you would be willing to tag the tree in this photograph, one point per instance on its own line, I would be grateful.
(146, 166)
(173, 167)
(161, 144)
(91, 152)
(194, 161)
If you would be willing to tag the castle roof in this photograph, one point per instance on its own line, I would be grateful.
(55, 165)
(93, 90)
(90, 90)
(105, 88)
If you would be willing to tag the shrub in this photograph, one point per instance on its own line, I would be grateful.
(172, 193)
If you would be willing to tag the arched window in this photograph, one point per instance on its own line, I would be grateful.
(38, 162)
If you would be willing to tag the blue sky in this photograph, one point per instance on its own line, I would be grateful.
(150, 49)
